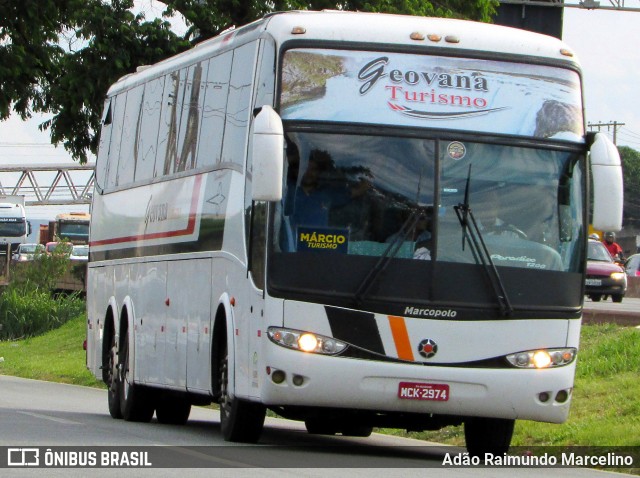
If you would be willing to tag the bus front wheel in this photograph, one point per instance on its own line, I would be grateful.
(488, 435)
(240, 420)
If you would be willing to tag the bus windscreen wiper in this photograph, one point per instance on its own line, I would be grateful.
(388, 254)
(481, 254)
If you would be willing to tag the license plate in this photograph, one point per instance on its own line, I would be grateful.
(593, 281)
(438, 392)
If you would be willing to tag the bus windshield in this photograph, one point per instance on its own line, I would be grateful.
(353, 198)
(368, 217)
(73, 230)
(12, 227)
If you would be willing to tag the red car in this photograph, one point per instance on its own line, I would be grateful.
(604, 277)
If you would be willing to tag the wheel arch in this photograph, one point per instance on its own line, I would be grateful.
(109, 333)
(223, 331)
(126, 329)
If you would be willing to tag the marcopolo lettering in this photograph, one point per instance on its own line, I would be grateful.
(431, 313)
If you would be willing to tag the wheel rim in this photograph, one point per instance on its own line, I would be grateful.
(113, 368)
(124, 370)
(225, 402)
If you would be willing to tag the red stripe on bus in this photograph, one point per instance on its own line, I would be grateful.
(191, 224)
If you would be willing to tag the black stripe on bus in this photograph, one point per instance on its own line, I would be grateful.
(211, 234)
(357, 328)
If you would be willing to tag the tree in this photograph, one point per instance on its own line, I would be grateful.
(631, 173)
(60, 56)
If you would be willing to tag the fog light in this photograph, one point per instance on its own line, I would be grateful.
(543, 397)
(562, 396)
(278, 376)
(298, 380)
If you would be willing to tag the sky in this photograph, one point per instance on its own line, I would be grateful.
(607, 43)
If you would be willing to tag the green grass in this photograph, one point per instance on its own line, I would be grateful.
(56, 356)
(605, 409)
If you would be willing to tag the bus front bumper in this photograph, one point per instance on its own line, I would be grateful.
(294, 378)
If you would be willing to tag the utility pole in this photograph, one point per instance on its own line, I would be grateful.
(613, 124)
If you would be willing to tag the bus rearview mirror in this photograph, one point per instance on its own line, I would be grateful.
(268, 156)
(607, 184)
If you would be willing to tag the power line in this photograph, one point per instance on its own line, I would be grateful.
(615, 125)
(630, 133)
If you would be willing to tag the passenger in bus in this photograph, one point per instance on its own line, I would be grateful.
(423, 238)
(488, 212)
(419, 235)
(317, 194)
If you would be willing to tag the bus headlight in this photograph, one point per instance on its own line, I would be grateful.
(305, 341)
(542, 358)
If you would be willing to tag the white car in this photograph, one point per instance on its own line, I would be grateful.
(80, 253)
(27, 252)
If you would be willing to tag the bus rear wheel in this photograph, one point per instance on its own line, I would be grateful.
(240, 420)
(136, 402)
(488, 435)
(112, 380)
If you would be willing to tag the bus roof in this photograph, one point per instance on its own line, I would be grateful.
(371, 29)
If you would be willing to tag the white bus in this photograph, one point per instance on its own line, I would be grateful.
(14, 227)
(354, 220)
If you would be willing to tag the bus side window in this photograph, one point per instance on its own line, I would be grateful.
(118, 105)
(102, 161)
(258, 243)
(216, 88)
(169, 120)
(234, 149)
(128, 146)
(256, 213)
(189, 120)
(148, 130)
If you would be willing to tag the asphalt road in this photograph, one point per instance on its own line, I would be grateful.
(626, 312)
(43, 414)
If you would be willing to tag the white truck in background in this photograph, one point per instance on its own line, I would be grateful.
(14, 227)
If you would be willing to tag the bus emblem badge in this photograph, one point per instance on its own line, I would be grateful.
(427, 348)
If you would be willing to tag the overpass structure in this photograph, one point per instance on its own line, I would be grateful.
(49, 184)
(623, 5)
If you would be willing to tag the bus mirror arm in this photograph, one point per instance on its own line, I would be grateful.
(607, 184)
(267, 155)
